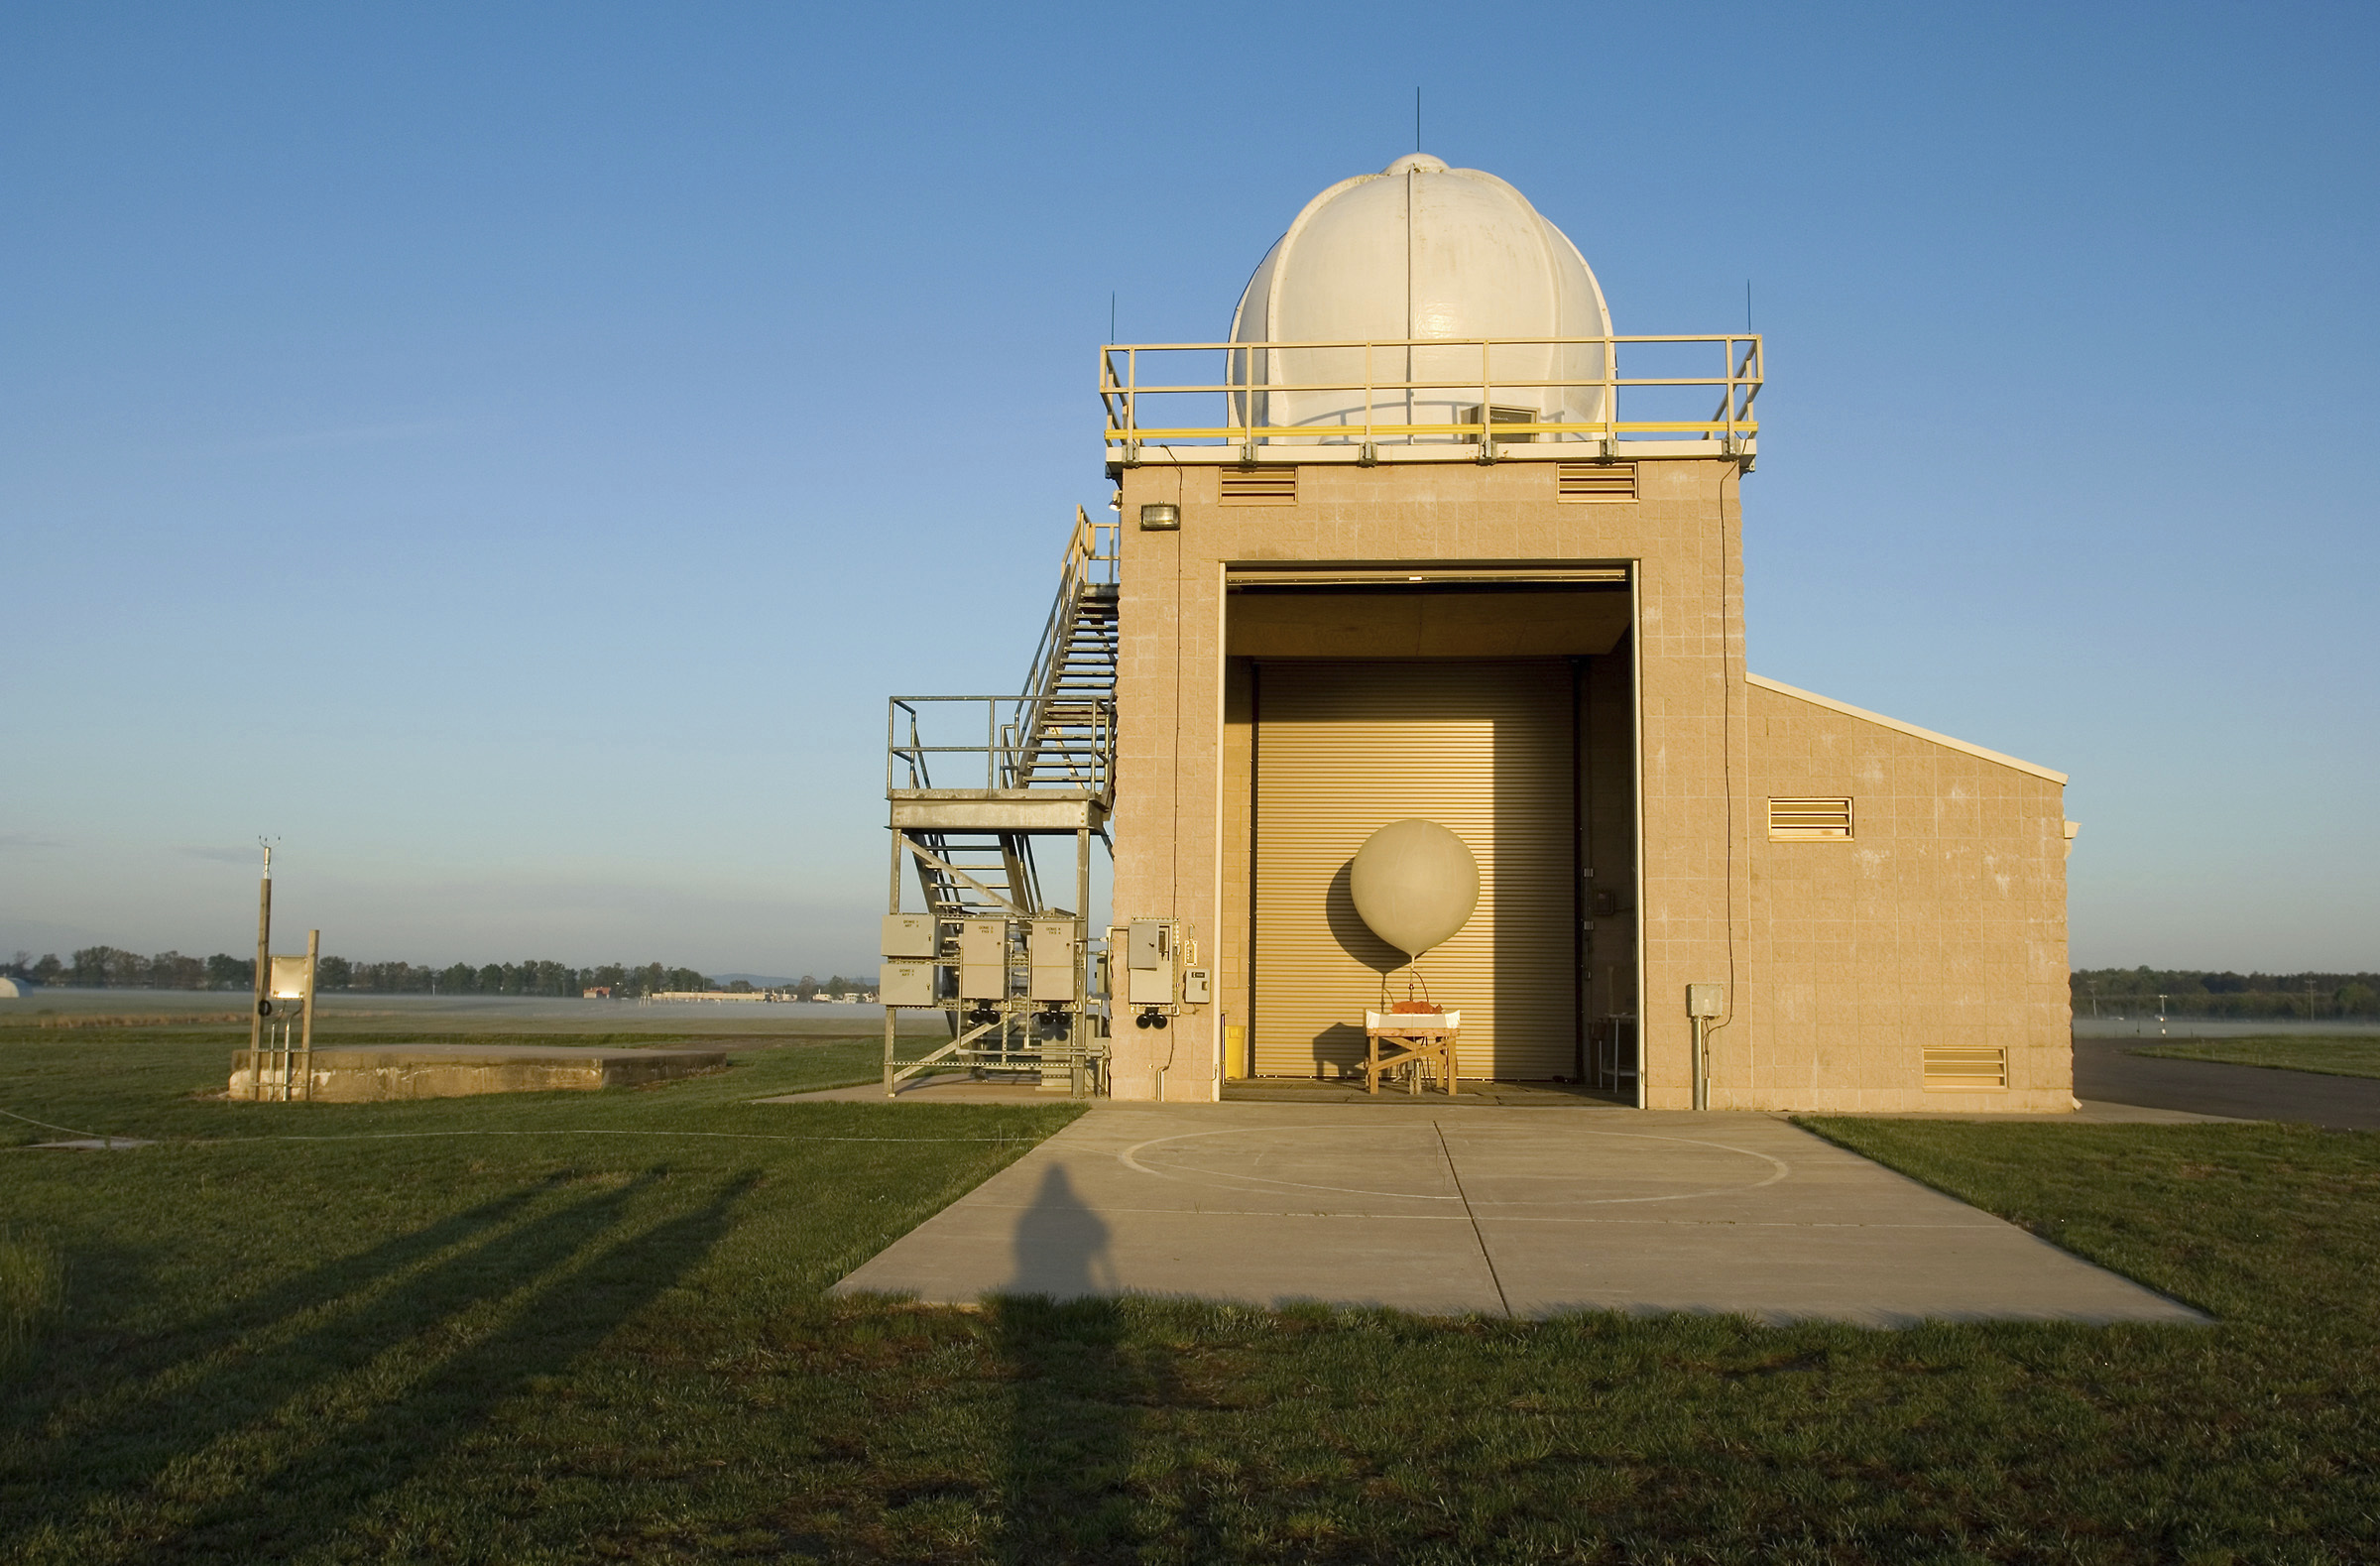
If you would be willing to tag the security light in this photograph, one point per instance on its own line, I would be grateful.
(1161, 518)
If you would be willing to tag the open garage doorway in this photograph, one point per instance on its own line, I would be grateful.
(1502, 706)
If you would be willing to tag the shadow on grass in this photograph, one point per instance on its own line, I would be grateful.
(1084, 1387)
(297, 1408)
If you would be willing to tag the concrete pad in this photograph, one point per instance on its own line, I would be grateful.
(954, 1088)
(1488, 1210)
(375, 1073)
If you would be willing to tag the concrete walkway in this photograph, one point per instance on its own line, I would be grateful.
(1523, 1212)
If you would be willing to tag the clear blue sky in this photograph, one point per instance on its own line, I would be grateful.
(510, 451)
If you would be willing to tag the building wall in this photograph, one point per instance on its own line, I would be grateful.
(1706, 881)
(1168, 826)
(1940, 921)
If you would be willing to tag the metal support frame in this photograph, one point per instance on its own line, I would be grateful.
(270, 1034)
(1041, 763)
(1013, 1032)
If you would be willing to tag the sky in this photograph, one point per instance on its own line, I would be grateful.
(509, 452)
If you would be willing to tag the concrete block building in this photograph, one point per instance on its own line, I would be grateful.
(1426, 538)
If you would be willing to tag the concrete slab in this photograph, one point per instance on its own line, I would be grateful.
(1488, 1210)
(375, 1073)
(950, 1089)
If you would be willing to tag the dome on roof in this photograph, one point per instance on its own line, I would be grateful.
(1421, 251)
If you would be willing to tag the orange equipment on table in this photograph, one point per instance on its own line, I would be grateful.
(1419, 1040)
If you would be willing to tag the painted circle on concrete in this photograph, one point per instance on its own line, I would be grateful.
(1588, 1168)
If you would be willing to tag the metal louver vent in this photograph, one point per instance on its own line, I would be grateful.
(1275, 485)
(1596, 481)
(1970, 1070)
(1794, 819)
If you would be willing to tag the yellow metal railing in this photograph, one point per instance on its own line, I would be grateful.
(1248, 391)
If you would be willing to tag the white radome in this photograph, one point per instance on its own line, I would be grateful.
(1420, 250)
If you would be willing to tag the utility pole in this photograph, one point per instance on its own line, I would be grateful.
(2310, 1000)
(264, 968)
(2161, 1015)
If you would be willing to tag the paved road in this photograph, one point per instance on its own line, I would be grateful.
(2104, 1069)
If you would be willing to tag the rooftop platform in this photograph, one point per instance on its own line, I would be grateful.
(1430, 400)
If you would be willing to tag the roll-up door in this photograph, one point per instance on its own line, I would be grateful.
(1482, 747)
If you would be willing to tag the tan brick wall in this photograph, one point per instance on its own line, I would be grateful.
(1968, 967)
(1682, 532)
(1941, 921)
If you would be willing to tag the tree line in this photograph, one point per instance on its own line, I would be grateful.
(112, 968)
(2248, 996)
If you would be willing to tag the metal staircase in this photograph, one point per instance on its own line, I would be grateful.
(1069, 724)
(1058, 737)
(1035, 764)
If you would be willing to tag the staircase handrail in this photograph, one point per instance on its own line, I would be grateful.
(982, 740)
(1085, 559)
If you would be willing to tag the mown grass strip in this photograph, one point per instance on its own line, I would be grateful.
(2335, 1055)
(517, 1349)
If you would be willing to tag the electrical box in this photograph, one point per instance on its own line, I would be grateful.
(906, 984)
(1150, 944)
(984, 959)
(1706, 1000)
(983, 942)
(1198, 987)
(1149, 951)
(291, 978)
(1049, 949)
(912, 936)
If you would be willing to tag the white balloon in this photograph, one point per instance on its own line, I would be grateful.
(1415, 884)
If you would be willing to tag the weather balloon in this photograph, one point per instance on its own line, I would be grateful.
(1415, 885)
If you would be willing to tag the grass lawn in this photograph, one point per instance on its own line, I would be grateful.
(2335, 1054)
(581, 1347)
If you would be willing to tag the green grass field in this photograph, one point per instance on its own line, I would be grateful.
(576, 1327)
(2335, 1054)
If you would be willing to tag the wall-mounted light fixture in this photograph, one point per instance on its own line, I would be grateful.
(1161, 518)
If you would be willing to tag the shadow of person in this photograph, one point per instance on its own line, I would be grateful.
(1079, 1389)
(1061, 1245)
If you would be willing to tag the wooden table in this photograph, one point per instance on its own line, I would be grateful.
(1418, 1039)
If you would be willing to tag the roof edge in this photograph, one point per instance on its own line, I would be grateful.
(1911, 729)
